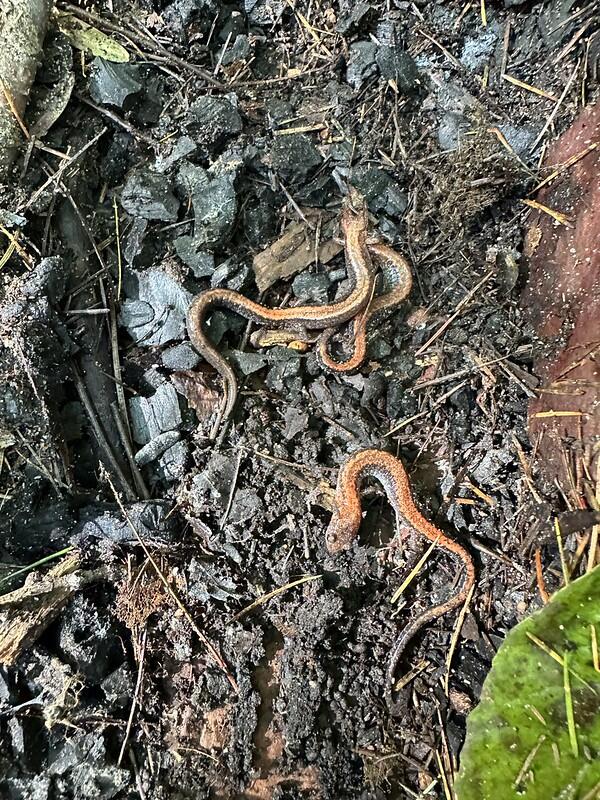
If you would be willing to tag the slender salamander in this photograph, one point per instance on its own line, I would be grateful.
(387, 259)
(347, 517)
(354, 221)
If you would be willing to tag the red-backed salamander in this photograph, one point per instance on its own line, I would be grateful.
(354, 222)
(399, 272)
(345, 523)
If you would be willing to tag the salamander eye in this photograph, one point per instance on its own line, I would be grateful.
(339, 535)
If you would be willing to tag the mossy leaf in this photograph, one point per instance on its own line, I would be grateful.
(89, 39)
(536, 732)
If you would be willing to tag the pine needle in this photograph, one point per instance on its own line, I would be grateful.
(569, 707)
(414, 571)
(270, 595)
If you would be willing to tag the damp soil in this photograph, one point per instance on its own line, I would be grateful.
(208, 646)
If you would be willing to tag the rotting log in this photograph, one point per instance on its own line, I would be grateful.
(23, 26)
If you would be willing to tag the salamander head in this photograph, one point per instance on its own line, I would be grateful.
(339, 534)
(355, 201)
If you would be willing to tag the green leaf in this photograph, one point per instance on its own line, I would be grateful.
(536, 732)
(89, 39)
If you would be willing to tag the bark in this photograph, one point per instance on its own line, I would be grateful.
(23, 26)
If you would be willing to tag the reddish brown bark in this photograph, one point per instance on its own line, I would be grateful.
(562, 299)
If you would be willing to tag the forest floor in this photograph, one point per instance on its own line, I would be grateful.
(196, 639)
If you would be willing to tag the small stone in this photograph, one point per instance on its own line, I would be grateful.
(246, 505)
(189, 250)
(247, 363)
(148, 195)
(156, 308)
(238, 51)
(361, 64)
(151, 416)
(221, 322)
(181, 357)
(214, 120)
(396, 64)
(294, 157)
(111, 83)
(156, 447)
(311, 288)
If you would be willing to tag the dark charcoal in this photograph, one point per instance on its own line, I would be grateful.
(148, 195)
(214, 199)
(180, 357)
(213, 483)
(311, 288)
(296, 421)
(246, 506)
(214, 120)
(351, 14)
(155, 309)
(383, 194)
(151, 519)
(88, 640)
(189, 250)
(206, 580)
(294, 157)
(247, 363)
(179, 13)
(183, 147)
(361, 63)
(151, 416)
(173, 463)
(112, 84)
(285, 376)
(279, 112)
(395, 64)
(36, 788)
(118, 688)
(260, 218)
(263, 12)
(478, 49)
(82, 761)
(238, 51)
(156, 447)
(231, 274)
